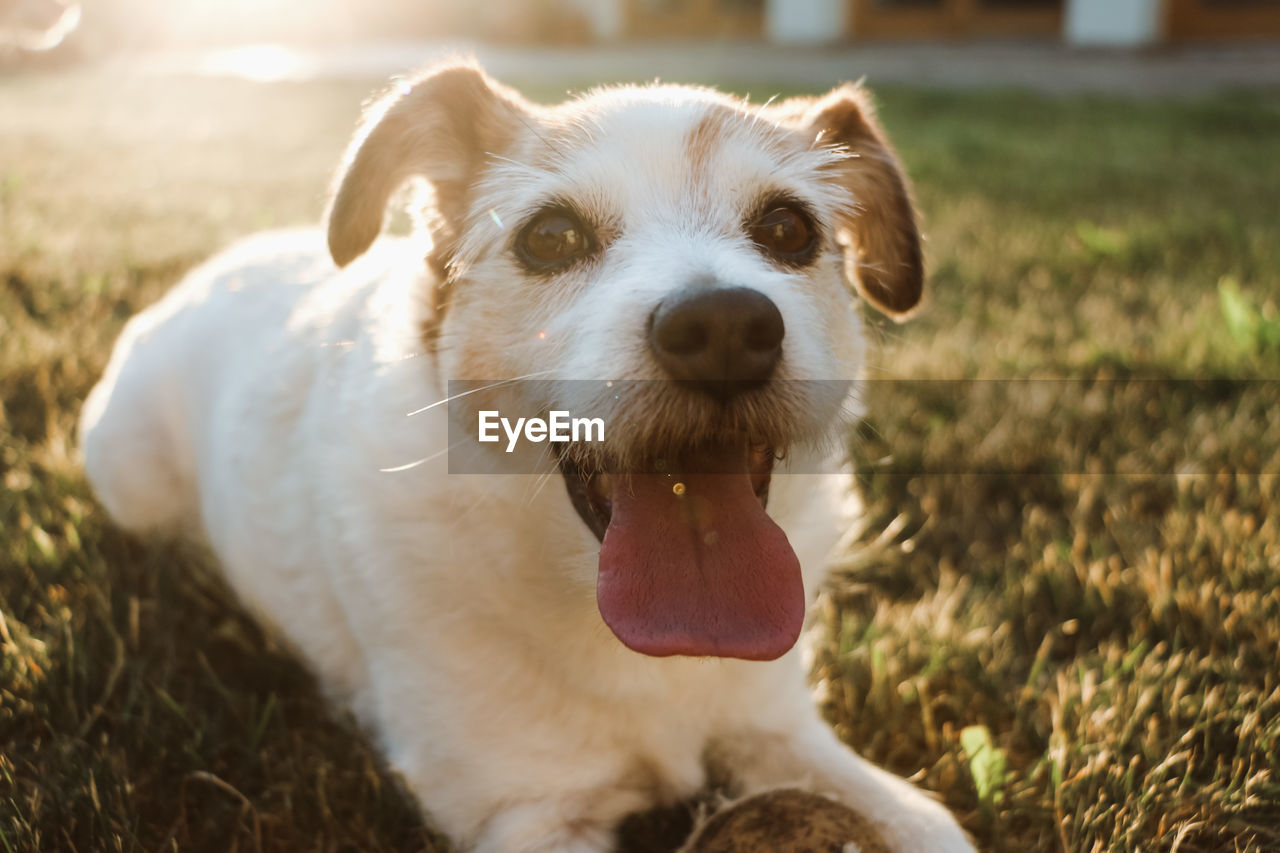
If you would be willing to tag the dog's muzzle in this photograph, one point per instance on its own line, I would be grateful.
(690, 562)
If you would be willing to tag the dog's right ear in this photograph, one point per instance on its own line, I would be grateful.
(439, 127)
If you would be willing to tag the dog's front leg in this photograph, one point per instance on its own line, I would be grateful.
(531, 804)
(572, 824)
(556, 772)
(808, 755)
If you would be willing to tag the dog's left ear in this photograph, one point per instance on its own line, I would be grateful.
(441, 128)
(881, 240)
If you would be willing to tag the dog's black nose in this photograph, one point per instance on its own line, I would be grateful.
(722, 340)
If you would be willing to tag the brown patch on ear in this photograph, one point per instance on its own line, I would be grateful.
(440, 128)
(883, 257)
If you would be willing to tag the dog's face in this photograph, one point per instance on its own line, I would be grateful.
(691, 249)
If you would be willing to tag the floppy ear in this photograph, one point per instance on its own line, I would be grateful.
(439, 127)
(881, 241)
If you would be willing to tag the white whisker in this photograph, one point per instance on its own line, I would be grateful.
(544, 477)
(497, 384)
(476, 504)
(410, 465)
(538, 486)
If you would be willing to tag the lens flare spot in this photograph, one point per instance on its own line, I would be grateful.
(678, 488)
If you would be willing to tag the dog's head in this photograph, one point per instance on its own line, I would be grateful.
(693, 250)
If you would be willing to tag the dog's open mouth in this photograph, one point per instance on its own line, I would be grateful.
(690, 563)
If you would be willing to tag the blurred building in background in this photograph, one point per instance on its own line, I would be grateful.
(1083, 22)
(124, 25)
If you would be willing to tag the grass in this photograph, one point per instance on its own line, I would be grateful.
(1071, 629)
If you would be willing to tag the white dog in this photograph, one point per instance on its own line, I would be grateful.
(539, 661)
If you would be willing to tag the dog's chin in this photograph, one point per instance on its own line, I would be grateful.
(690, 562)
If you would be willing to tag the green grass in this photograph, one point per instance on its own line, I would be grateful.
(1077, 649)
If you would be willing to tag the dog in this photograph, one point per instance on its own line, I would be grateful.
(540, 656)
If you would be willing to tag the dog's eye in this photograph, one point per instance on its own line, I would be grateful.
(553, 239)
(785, 233)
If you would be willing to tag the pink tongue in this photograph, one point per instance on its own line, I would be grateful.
(698, 569)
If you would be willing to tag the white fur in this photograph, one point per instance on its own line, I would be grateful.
(265, 403)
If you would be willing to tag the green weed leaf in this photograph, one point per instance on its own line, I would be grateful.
(986, 763)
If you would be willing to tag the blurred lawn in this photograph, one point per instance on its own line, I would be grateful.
(1117, 634)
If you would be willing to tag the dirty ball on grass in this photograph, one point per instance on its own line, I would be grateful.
(786, 821)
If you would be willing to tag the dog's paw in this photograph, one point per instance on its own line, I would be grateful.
(926, 826)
